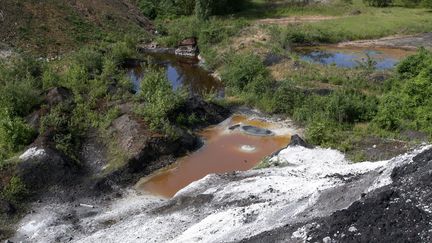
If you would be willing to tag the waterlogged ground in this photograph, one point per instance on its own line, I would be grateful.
(224, 150)
(181, 72)
(351, 57)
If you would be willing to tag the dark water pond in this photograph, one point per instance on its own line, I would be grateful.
(351, 57)
(181, 72)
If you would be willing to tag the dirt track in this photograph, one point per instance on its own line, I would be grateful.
(296, 19)
(412, 42)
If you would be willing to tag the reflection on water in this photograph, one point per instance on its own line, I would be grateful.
(181, 72)
(385, 58)
(224, 151)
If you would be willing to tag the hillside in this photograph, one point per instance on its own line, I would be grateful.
(54, 27)
(215, 121)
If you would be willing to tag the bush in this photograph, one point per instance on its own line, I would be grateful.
(413, 65)
(378, 3)
(287, 97)
(242, 70)
(15, 191)
(208, 32)
(20, 85)
(408, 104)
(14, 133)
(324, 133)
(205, 8)
(351, 106)
(166, 8)
(159, 98)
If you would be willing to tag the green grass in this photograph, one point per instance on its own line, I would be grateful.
(374, 24)
(261, 9)
(370, 22)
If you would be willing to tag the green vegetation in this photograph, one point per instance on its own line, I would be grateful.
(203, 9)
(159, 100)
(19, 92)
(232, 43)
(408, 104)
(326, 118)
(378, 3)
(372, 24)
(15, 191)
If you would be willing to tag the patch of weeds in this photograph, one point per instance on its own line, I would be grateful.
(16, 191)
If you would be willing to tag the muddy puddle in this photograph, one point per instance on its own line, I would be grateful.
(181, 72)
(224, 150)
(351, 57)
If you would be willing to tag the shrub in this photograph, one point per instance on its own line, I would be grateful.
(15, 191)
(242, 70)
(323, 132)
(205, 8)
(408, 104)
(287, 97)
(166, 8)
(414, 64)
(159, 98)
(378, 3)
(351, 106)
(14, 133)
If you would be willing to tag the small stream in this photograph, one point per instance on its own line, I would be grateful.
(352, 57)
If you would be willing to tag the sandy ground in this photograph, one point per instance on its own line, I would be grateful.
(412, 42)
(296, 19)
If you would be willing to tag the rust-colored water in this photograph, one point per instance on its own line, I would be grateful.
(221, 153)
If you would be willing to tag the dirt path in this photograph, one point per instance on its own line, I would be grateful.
(411, 42)
(296, 19)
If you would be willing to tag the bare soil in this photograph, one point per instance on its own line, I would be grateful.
(411, 42)
(296, 19)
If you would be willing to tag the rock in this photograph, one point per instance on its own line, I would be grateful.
(34, 119)
(256, 131)
(296, 140)
(352, 229)
(192, 41)
(209, 113)
(131, 134)
(400, 209)
(6, 207)
(188, 47)
(44, 166)
(142, 146)
(327, 240)
(58, 95)
(233, 127)
(379, 77)
(93, 152)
